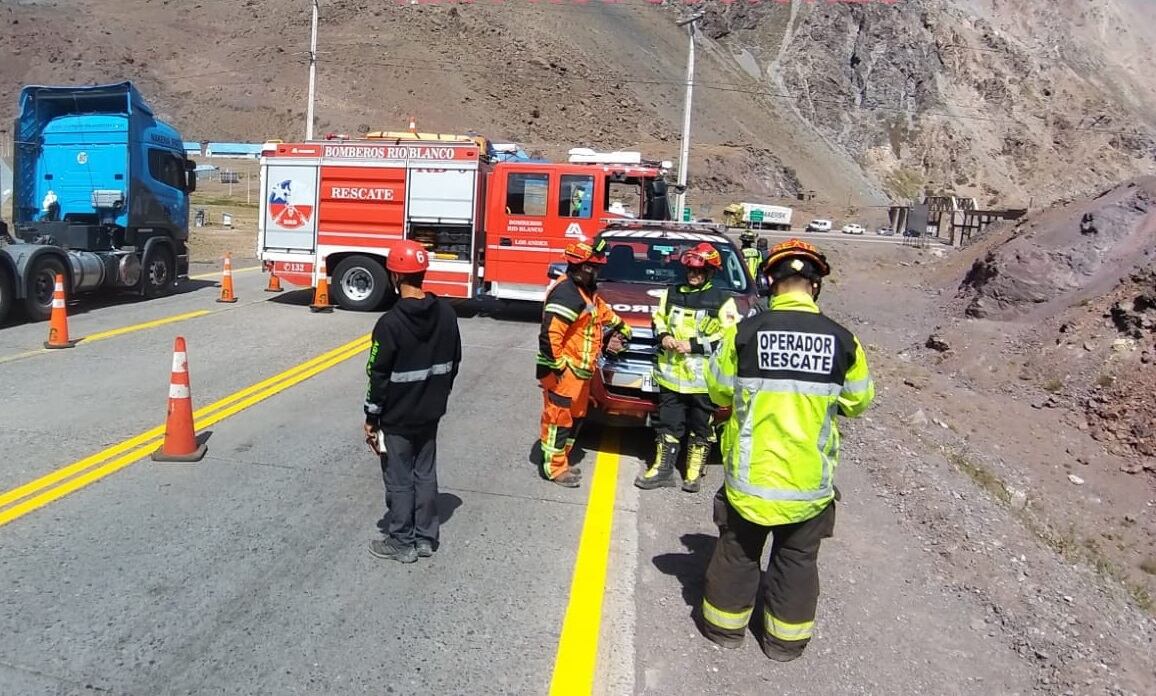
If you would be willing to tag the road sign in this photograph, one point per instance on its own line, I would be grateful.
(757, 216)
(686, 214)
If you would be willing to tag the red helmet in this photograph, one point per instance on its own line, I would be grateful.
(702, 256)
(407, 257)
(585, 252)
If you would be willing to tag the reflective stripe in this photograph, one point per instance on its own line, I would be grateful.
(372, 409)
(859, 385)
(781, 494)
(562, 311)
(787, 631)
(731, 620)
(180, 362)
(789, 386)
(178, 391)
(421, 375)
(824, 436)
(676, 380)
(57, 303)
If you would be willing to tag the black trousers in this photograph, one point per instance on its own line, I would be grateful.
(791, 585)
(678, 413)
(409, 469)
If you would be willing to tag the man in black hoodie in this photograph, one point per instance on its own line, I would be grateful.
(413, 361)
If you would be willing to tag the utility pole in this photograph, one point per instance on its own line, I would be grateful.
(684, 154)
(312, 75)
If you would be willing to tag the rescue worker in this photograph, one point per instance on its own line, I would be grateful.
(751, 256)
(688, 324)
(764, 252)
(413, 362)
(575, 321)
(787, 373)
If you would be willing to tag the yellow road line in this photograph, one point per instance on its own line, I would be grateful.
(143, 444)
(577, 658)
(101, 335)
(217, 274)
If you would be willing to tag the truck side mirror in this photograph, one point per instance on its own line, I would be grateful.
(190, 182)
(556, 270)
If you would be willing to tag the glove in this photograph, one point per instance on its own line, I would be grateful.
(616, 344)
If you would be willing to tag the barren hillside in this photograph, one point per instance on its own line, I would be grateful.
(859, 102)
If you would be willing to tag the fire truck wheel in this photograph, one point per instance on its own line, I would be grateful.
(360, 283)
(41, 283)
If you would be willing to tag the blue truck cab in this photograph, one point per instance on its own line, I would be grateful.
(100, 195)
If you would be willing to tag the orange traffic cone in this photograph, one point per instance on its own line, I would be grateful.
(58, 328)
(274, 282)
(227, 281)
(321, 294)
(180, 443)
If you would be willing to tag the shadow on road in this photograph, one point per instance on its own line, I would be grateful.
(97, 301)
(447, 503)
(688, 568)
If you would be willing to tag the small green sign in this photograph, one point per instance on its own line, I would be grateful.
(686, 214)
(756, 216)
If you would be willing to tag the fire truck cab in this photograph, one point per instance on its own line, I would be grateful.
(492, 228)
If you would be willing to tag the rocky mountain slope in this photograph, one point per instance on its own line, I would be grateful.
(858, 102)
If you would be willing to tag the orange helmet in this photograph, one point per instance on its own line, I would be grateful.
(585, 252)
(406, 257)
(702, 256)
(811, 262)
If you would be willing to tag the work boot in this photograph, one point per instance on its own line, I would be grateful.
(778, 653)
(392, 550)
(661, 472)
(568, 479)
(696, 455)
(425, 548)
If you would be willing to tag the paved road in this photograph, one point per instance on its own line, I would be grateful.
(248, 572)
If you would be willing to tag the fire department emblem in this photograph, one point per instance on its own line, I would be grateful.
(284, 211)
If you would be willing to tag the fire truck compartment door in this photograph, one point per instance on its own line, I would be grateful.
(442, 195)
(290, 207)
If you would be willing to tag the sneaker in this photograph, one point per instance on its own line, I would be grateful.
(390, 549)
(425, 548)
(568, 479)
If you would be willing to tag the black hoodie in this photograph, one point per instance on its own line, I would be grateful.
(413, 361)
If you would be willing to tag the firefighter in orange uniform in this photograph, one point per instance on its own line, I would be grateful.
(575, 323)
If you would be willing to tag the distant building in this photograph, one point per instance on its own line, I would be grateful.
(234, 150)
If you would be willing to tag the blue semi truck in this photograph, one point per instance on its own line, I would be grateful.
(100, 195)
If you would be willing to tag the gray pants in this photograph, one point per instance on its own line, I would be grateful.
(409, 469)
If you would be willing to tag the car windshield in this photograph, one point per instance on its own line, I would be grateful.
(655, 262)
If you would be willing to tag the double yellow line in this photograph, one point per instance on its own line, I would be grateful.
(36, 494)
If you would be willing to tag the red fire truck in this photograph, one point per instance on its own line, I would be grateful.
(492, 227)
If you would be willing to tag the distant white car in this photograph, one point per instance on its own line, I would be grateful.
(885, 232)
(819, 226)
(853, 228)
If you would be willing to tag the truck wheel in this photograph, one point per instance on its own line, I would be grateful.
(158, 272)
(41, 283)
(6, 294)
(360, 283)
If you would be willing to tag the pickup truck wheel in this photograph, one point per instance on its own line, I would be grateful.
(41, 283)
(360, 283)
(6, 294)
(157, 272)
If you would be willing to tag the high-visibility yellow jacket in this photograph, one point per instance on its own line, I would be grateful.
(786, 373)
(753, 258)
(573, 324)
(698, 315)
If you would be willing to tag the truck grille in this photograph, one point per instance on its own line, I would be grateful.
(626, 373)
